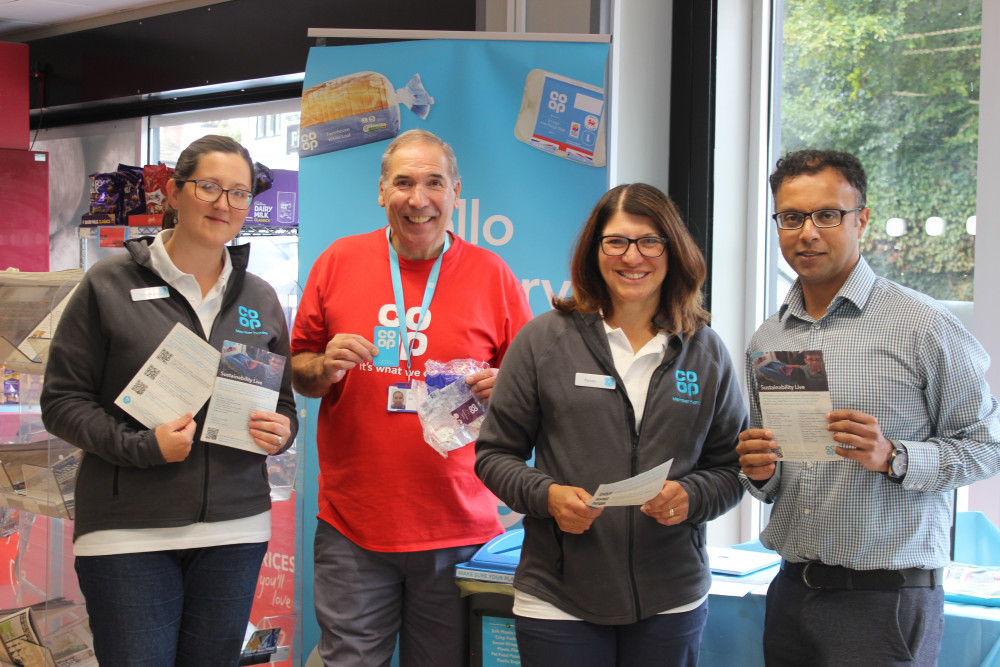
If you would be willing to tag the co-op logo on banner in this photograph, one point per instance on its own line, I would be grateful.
(687, 386)
(250, 321)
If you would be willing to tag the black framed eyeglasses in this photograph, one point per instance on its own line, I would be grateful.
(210, 192)
(614, 245)
(823, 217)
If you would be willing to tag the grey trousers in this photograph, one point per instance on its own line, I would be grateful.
(831, 628)
(365, 598)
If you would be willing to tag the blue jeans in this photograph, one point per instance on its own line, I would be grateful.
(171, 608)
(663, 639)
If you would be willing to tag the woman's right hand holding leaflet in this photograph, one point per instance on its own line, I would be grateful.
(568, 506)
(175, 437)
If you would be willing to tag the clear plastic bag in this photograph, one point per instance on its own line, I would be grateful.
(450, 414)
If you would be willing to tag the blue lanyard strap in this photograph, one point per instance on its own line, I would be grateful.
(397, 291)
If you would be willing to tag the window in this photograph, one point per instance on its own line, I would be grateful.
(268, 126)
(895, 82)
(267, 130)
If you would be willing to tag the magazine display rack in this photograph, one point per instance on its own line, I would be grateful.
(42, 617)
(36, 470)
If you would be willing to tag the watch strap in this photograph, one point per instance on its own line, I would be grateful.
(897, 450)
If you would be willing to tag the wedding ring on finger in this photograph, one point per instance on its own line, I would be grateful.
(279, 441)
(671, 512)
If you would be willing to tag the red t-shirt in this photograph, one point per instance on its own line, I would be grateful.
(381, 485)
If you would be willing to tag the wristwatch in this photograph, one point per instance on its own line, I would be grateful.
(897, 462)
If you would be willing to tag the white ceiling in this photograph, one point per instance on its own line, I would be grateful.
(21, 20)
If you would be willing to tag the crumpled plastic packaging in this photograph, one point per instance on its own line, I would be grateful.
(450, 414)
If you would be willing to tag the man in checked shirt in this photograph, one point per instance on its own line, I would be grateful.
(863, 540)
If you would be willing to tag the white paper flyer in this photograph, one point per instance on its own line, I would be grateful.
(794, 398)
(178, 378)
(634, 490)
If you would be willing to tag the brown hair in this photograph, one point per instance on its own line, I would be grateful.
(188, 161)
(680, 311)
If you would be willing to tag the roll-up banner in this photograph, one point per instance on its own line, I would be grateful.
(526, 116)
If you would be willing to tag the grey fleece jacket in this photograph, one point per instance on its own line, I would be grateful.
(103, 338)
(627, 566)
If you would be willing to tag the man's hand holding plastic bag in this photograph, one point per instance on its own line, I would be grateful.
(450, 409)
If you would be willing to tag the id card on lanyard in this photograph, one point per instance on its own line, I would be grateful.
(405, 339)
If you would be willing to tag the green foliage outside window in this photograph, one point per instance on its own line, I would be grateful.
(896, 82)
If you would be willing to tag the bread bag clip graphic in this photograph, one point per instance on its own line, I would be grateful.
(356, 109)
(563, 116)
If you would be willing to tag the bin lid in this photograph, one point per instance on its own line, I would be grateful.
(503, 551)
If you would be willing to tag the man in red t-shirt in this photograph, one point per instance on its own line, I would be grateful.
(395, 516)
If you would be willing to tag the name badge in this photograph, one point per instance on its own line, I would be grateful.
(147, 293)
(593, 380)
(402, 398)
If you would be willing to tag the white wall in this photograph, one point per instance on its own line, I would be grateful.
(640, 92)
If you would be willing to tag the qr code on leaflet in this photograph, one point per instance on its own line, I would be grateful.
(139, 387)
(151, 372)
(211, 433)
(165, 356)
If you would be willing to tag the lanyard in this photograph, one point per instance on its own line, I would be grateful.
(397, 291)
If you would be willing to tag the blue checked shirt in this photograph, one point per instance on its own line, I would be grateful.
(900, 356)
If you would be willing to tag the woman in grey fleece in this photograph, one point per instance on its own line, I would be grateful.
(170, 531)
(618, 379)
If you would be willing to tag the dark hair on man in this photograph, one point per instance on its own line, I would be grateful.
(815, 160)
(680, 311)
(421, 137)
(188, 161)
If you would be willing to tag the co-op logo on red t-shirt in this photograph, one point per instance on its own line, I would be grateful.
(418, 339)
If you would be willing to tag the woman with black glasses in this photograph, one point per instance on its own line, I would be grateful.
(618, 379)
(170, 531)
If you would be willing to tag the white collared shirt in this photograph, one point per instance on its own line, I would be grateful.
(636, 368)
(207, 307)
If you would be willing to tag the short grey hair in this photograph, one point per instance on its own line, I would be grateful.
(421, 137)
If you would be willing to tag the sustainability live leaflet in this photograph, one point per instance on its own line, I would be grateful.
(185, 370)
(248, 380)
(794, 396)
